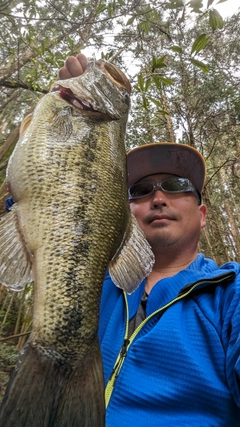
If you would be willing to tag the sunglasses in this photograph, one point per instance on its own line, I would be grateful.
(171, 185)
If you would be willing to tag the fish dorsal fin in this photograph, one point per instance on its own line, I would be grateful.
(15, 263)
(134, 259)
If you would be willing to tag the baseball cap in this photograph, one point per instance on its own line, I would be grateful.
(166, 157)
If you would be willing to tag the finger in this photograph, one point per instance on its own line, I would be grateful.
(64, 74)
(83, 60)
(74, 66)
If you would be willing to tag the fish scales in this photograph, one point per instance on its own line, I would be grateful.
(67, 176)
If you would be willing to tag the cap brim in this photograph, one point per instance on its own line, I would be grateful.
(169, 158)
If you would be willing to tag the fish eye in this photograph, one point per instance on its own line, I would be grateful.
(125, 95)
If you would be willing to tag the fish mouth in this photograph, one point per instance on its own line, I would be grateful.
(70, 97)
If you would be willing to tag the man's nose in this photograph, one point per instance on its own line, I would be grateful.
(159, 197)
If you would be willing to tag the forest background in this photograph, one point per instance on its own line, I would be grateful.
(183, 62)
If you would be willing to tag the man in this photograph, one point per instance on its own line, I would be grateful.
(171, 350)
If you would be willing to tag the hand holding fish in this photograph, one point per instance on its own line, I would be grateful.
(74, 66)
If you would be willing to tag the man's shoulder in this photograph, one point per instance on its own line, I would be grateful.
(229, 270)
(232, 268)
(222, 297)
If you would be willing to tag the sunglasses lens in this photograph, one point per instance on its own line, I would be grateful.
(171, 185)
(175, 184)
(140, 190)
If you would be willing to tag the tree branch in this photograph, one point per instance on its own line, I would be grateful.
(19, 84)
(11, 337)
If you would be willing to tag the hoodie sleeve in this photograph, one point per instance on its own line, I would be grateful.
(231, 338)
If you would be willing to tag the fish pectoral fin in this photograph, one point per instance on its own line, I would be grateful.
(15, 263)
(134, 259)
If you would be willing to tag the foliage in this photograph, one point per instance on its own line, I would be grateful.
(15, 323)
(8, 357)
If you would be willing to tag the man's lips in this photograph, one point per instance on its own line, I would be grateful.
(160, 217)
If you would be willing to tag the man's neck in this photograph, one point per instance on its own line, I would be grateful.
(167, 268)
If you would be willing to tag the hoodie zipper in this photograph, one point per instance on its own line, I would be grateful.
(128, 340)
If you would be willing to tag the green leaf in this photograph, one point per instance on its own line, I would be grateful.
(176, 49)
(165, 80)
(200, 64)
(155, 14)
(143, 86)
(76, 11)
(130, 21)
(144, 25)
(49, 61)
(157, 82)
(145, 102)
(210, 2)
(199, 43)
(100, 9)
(174, 4)
(111, 8)
(215, 20)
(155, 101)
(158, 63)
(147, 84)
(141, 82)
(70, 42)
(43, 47)
(196, 5)
(38, 51)
(163, 112)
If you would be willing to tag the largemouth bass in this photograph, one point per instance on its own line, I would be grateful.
(70, 221)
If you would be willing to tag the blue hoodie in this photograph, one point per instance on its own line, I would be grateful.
(181, 367)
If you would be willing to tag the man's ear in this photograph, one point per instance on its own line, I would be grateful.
(203, 215)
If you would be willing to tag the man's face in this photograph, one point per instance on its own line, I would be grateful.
(169, 221)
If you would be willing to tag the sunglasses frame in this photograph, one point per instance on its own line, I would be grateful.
(158, 186)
